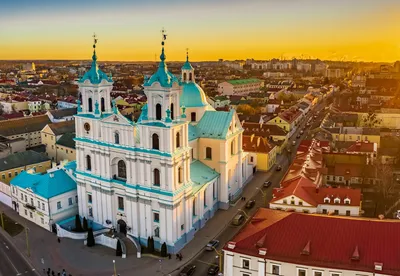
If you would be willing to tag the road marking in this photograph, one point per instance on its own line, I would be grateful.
(16, 270)
(7, 247)
(200, 261)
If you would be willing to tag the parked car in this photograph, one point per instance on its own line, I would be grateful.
(238, 220)
(188, 270)
(267, 184)
(211, 244)
(250, 204)
(278, 168)
(213, 270)
(298, 136)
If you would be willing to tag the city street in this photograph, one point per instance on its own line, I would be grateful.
(11, 261)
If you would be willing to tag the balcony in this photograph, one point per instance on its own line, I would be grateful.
(29, 206)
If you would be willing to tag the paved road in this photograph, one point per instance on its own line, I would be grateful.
(11, 261)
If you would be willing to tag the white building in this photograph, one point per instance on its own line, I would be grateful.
(64, 104)
(334, 72)
(165, 175)
(303, 67)
(239, 87)
(45, 198)
(295, 244)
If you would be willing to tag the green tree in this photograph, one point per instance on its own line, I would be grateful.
(78, 225)
(151, 247)
(371, 120)
(245, 109)
(164, 252)
(90, 238)
(118, 250)
(149, 244)
(85, 224)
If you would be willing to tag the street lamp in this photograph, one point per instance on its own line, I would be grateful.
(246, 215)
(220, 255)
(264, 194)
(115, 269)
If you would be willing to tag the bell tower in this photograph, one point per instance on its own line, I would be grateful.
(187, 70)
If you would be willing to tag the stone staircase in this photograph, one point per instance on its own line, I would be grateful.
(130, 247)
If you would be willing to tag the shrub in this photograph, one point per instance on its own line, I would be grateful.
(164, 252)
(118, 251)
(85, 224)
(90, 238)
(78, 225)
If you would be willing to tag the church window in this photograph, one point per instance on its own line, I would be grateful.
(116, 138)
(208, 153)
(232, 147)
(158, 111)
(180, 175)
(103, 106)
(90, 105)
(190, 76)
(120, 203)
(157, 232)
(155, 140)
(184, 76)
(121, 169)
(156, 173)
(193, 116)
(194, 207)
(172, 111)
(88, 163)
(205, 198)
(178, 140)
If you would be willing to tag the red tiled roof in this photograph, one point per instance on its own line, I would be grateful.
(361, 147)
(256, 144)
(346, 243)
(290, 115)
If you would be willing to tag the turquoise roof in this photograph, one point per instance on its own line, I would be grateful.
(214, 124)
(163, 76)
(95, 75)
(46, 185)
(187, 65)
(201, 174)
(192, 95)
(192, 132)
(143, 114)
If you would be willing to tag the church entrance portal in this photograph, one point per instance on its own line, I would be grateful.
(122, 226)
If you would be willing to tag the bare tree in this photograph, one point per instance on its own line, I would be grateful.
(385, 184)
(371, 120)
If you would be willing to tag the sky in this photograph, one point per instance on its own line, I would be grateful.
(129, 30)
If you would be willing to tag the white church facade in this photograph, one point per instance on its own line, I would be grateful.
(165, 175)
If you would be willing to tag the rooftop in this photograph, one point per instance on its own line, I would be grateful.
(201, 174)
(244, 81)
(330, 241)
(215, 124)
(23, 125)
(62, 127)
(61, 113)
(67, 140)
(21, 159)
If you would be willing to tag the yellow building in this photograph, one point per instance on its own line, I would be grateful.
(50, 135)
(287, 120)
(271, 133)
(261, 152)
(65, 148)
(14, 164)
(353, 134)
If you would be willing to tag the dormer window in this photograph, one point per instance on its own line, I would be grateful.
(327, 200)
(347, 200)
(336, 200)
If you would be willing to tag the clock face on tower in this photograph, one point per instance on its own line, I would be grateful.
(86, 126)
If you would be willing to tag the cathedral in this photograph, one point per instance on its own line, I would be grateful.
(166, 174)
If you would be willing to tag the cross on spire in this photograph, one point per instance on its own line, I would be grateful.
(163, 36)
(94, 40)
(187, 54)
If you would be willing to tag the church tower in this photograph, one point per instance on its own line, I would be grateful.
(187, 70)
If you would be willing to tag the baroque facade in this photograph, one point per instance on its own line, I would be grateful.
(165, 175)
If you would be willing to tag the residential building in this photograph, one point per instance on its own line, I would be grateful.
(271, 133)
(16, 163)
(262, 153)
(60, 115)
(50, 135)
(282, 243)
(218, 101)
(334, 72)
(10, 146)
(65, 148)
(12, 106)
(300, 194)
(356, 134)
(288, 120)
(165, 175)
(239, 87)
(28, 128)
(46, 198)
(63, 104)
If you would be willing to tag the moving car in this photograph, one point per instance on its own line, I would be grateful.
(188, 270)
(213, 270)
(211, 244)
(238, 220)
(267, 184)
(278, 168)
(250, 203)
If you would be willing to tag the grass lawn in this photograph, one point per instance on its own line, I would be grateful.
(11, 226)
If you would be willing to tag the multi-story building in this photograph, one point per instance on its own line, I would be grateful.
(239, 87)
(334, 72)
(165, 175)
(262, 153)
(65, 148)
(46, 198)
(60, 115)
(51, 133)
(28, 128)
(296, 244)
(287, 120)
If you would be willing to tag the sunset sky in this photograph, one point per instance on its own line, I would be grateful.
(129, 30)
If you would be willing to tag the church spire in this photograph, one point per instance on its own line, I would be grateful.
(94, 57)
(187, 69)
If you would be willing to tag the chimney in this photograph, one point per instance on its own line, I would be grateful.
(306, 249)
(378, 266)
(231, 245)
(262, 251)
(356, 255)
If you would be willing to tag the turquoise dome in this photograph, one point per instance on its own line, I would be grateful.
(95, 75)
(163, 76)
(193, 95)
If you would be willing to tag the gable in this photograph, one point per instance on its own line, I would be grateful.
(47, 130)
(117, 119)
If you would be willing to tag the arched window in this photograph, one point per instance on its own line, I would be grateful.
(157, 232)
(184, 76)
(158, 111)
(232, 147)
(90, 105)
(103, 106)
(121, 169)
(193, 116)
(116, 138)
(156, 177)
(190, 76)
(178, 140)
(172, 111)
(180, 176)
(194, 207)
(88, 163)
(155, 141)
(208, 153)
